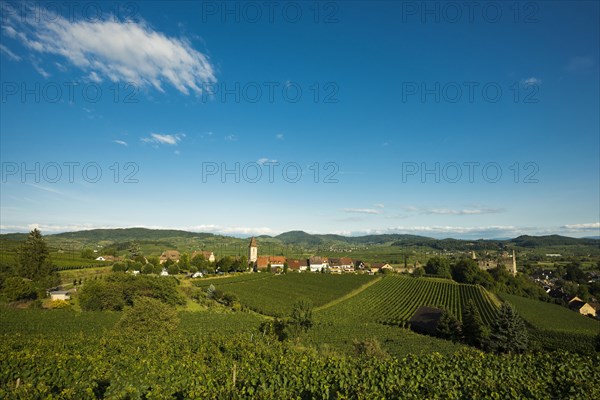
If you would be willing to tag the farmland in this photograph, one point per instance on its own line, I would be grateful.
(235, 366)
(394, 300)
(552, 317)
(222, 354)
(274, 295)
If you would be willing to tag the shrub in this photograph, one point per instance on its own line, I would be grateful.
(16, 288)
(59, 304)
(148, 317)
(118, 291)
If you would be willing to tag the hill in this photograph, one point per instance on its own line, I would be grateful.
(552, 240)
(128, 234)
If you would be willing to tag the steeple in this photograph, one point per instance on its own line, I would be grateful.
(514, 264)
(252, 251)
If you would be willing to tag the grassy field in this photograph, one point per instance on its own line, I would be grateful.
(552, 317)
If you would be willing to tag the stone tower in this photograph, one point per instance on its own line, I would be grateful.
(252, 251)
(513, 270)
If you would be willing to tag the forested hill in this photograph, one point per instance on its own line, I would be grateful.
(304, 239)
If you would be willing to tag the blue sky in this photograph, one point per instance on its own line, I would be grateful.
(421, 118)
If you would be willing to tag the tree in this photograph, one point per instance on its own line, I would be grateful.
(119, 267)
(148, 317)
(285, 268)
(154, 260)
(274, 328)
(34, 258)
(508, 333)
(225, 264)
(449, 327)
(269, 267)
(418, 272)
(173, 269)
(184, 262)
(465, 270)
(474, 330)
(438, 266)
(17, 288)
(140, 259)
(302, 315)
(87, 253)
(148, 269)
(575, 274)
(199, 262)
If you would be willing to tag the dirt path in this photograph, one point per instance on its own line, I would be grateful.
(347, 296)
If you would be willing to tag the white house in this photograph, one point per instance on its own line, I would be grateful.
(164, 272)
(100, 258)
(317, 264)
(60, 295)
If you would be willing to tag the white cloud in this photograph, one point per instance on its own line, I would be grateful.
(231, 138)
(41, 70)
(121, 142)
(379, 205)
(263, 161)
(279, 136)
(531, 81)
(10, 54)
(583, 227)
(362, 210)
(157, 139)
(447, 211)
(119, 51)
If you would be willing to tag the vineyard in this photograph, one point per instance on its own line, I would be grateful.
(242, 367)
(394, 300)
(275, 294)
(552, 317)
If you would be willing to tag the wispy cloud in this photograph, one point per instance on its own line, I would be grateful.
(580, 64)
(45, 188)
(279, 136)
(121, 142)
(125, 51)
(231, 138)
(263, 161)
(10, 54)
(592, 226)
(531, 81)
(448, 211)
(157, 138)
(379, 205)
(362, 210)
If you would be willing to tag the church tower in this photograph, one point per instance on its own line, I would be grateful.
(252, 251)
(514, 264)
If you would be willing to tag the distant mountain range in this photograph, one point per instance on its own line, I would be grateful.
(301, 238)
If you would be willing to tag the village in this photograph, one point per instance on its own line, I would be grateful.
(206, 262)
